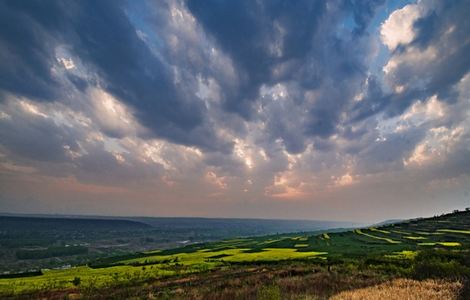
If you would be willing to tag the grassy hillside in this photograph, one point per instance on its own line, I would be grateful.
(424, 248)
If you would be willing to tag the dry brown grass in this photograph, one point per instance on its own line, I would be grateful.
(405, 289)
(291, 284)
(273, 283)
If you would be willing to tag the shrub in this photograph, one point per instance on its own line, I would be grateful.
(437, 269)
(76, 281)
(270, 292)
(440, 264)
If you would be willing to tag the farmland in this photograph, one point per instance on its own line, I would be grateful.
(50, 242)
(398, 250)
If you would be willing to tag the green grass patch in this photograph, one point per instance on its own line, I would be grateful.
(405, 254)
(401, 232)
(454, 231)
(445, 244)
(415, 237)
(423, 233)
(273, 254)
(359, 231)
(379, 230)
(61, 279)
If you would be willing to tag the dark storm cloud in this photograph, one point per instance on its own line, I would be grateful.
(262, 35)
(101, 35)
(25, 55)
(246, 29)
(108, 41)
(284, 41)
(268, 42)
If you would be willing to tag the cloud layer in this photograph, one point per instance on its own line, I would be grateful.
(328, 109)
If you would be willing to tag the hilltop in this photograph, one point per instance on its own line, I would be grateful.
(436, 247)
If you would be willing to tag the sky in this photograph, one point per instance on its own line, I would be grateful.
(332, 110)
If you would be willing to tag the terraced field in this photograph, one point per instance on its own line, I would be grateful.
(400, 242)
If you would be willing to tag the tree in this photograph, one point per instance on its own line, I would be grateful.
(76, 281)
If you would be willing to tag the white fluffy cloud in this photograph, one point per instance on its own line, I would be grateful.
(398, 28)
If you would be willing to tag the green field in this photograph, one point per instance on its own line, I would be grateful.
(398, 243)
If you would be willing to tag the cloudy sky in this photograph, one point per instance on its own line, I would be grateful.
(339, 110)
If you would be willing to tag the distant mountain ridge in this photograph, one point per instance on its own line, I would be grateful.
(21, 223)
(232, 226)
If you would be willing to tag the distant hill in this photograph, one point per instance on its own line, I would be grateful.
(218, 227)
(228, 227)
(24, 223)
